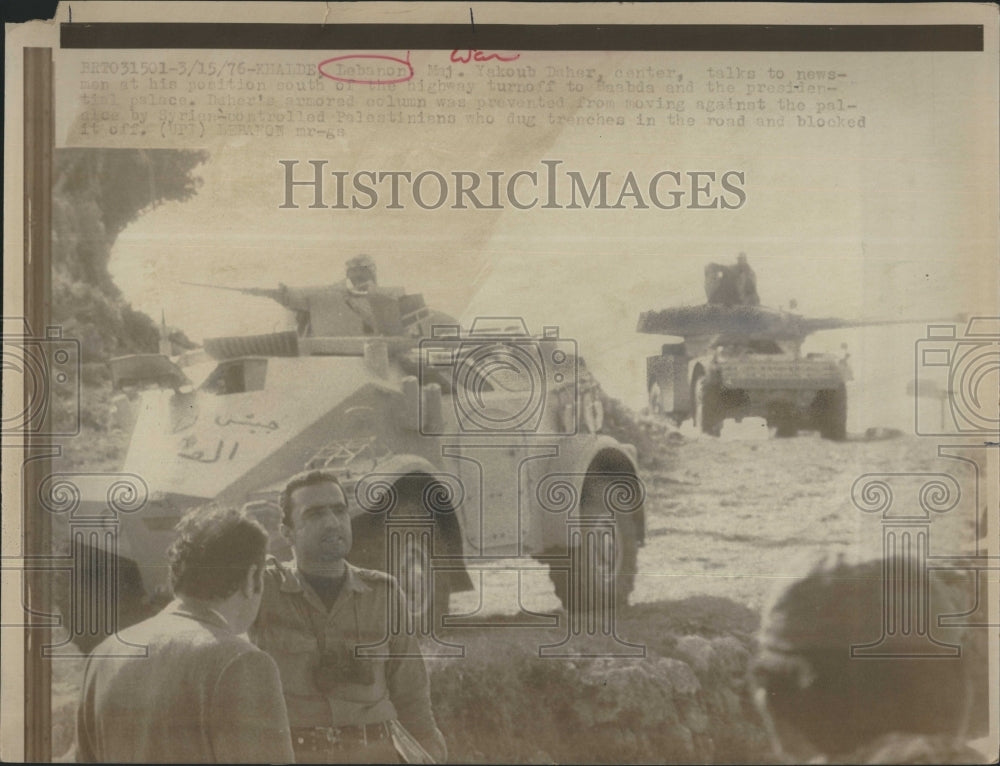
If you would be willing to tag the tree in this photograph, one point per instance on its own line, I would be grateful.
(96, 194)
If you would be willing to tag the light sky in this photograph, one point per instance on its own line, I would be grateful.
(884, 222)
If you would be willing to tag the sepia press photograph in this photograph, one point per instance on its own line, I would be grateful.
(531, 383)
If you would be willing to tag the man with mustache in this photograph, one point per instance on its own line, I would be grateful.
(344, 704)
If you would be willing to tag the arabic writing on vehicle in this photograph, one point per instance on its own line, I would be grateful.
(198, 455)
(249, 422)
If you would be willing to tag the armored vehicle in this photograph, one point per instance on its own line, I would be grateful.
(739, 359)
(455, 447)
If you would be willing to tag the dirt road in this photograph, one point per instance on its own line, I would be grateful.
(731, 516)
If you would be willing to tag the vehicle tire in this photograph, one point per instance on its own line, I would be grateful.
(786, 429)
(427, 596)
(832, 414)
(81, 610)
(427, 593)
(595, 575)
(705, 409)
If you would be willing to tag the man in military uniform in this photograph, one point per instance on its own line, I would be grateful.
(746, 282)
(362, 283)
(734, 285)
(345, 704)
(362, 274)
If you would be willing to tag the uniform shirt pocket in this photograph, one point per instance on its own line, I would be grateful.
(296, 652)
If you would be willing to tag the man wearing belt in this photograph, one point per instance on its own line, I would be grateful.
(343, 704)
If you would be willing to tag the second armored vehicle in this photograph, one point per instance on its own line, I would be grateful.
(738, 359)
(745, 361)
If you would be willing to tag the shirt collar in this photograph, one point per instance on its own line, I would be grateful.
(197, 611)
(292, 582)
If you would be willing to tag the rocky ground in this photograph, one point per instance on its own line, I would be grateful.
(726, 519)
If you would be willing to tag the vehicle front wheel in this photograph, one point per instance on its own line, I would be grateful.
(786, 429)
(705, 407)
(427, 596)
(603, 559)
(831, 409)
(84, 604)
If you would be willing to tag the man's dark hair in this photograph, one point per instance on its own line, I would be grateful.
(849, 703)
(839, 702)
(304, 479)
(213, 551)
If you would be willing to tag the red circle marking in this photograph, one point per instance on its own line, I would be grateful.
(405, 62)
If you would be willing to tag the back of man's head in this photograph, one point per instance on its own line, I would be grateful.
(214, 549)
(811, 683)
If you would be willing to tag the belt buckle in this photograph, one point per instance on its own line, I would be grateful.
(336, 735)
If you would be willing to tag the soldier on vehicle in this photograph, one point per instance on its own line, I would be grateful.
(746, 282)
(345, 705)
(731, 285)
(823, 705)
(203, 693)
(720, 288)
(354, 306)
(362, 274)
(343, 308)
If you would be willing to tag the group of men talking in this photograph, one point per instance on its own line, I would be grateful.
(320, 680)
(259, 661)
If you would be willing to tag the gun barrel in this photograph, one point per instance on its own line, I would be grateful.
(259, 292)
(710, 319)
(214, 287)
(831, 323)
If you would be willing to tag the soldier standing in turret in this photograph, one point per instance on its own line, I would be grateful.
(361, 282)
(731, 285)
(746, 282)
(362, 274)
